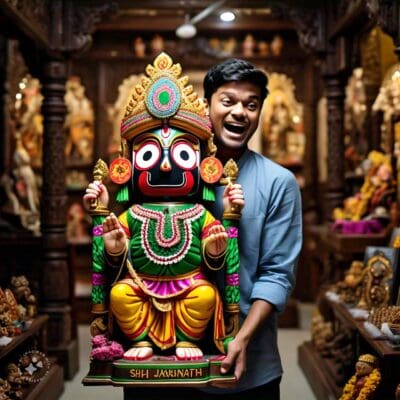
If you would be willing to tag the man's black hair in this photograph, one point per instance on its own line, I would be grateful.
(234, 70)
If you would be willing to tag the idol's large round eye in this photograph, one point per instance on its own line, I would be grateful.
(148, 154)
(184, 155)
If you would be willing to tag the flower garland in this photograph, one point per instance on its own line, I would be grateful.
(371, 383)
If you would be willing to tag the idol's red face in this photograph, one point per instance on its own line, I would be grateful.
(234, 111)
(166, 163)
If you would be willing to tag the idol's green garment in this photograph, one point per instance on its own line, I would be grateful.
(170, 299)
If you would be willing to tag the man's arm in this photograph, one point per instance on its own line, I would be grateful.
(259, 312)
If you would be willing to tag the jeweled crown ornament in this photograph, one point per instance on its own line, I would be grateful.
(164, 97)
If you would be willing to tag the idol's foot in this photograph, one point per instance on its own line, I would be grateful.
(139, 351)
(187, 351)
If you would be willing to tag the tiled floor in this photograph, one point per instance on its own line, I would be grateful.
(293, 386)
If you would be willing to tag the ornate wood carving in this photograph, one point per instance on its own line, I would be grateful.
(311, 28)
(3, 99)
(387, 15)
(54, 197)
(79, 20)
(31, 16)
(334, 91)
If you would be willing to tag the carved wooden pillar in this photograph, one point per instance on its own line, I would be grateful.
(3, 101)
(334, 92)
(56, 296)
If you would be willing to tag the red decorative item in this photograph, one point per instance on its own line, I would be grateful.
(211, 170)
(120, 170)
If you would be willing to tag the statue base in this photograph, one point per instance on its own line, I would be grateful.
(160, 371)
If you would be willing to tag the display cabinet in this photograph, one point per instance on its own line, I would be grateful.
(327, 375)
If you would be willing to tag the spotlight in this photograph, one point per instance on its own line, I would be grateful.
(227, 16)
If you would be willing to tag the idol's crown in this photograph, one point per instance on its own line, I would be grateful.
(163, 98)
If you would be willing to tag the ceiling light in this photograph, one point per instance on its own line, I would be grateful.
(186, 31)
(227, 16)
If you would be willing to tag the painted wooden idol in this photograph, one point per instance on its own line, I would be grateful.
(152, 291)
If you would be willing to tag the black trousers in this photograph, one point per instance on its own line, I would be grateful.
(269, 391)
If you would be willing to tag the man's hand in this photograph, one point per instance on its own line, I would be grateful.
(233, 195)
(95, 191)
(235, 360)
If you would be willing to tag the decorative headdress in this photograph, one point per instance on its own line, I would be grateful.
(368, 358)
(162, 98)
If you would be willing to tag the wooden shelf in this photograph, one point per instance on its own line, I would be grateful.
(37, 324)
(315, 370)
(50, 387)
(320, 371)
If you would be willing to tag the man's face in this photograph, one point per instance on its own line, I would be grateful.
(234, 111)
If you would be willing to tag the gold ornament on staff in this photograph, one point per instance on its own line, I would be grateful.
(230, 173)
(100, 172)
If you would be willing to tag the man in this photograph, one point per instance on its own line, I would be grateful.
(270, 233)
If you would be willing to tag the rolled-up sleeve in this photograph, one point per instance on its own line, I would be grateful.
(280, 245)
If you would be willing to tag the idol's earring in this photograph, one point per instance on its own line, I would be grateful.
(120, 173)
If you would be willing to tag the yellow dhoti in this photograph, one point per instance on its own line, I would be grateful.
(177, 306)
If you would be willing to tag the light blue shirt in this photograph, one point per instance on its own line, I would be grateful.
(270, 240)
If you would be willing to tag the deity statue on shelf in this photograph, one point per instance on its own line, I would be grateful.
(157, 44)
(349, 289)
(354, 120)
(376, 291)
(248, 45)
(276, 45)
(79, 122)
(21, 187)
(116, 111)
(282, 123)
(321, 334)
(27, 119)
(372, 203)
(139, 47)
(364, 383)
(158, 254)
(24, 296)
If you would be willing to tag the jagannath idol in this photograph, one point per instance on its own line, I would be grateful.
(162, 246)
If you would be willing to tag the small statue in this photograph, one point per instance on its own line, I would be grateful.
(321, 334)
(9, 314)
(79, 122)
(248, 45)
(282, 122)
(377, 190)
(77, 223)
(375, 291)
(116, 111)
(229, 46)
(17, 380)
(26, 187)
(263, 48)
(365, 382)
(27, 118)
(5, 389)
(349, 290)
(139, 47)
(24, 296)
(157, 44)
(276, 45)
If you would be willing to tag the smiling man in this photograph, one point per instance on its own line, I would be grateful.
(270, 234)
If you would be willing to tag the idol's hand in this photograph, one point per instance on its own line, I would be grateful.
(113, 235)
(216, 241)
(233, 195)
(95, 190)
